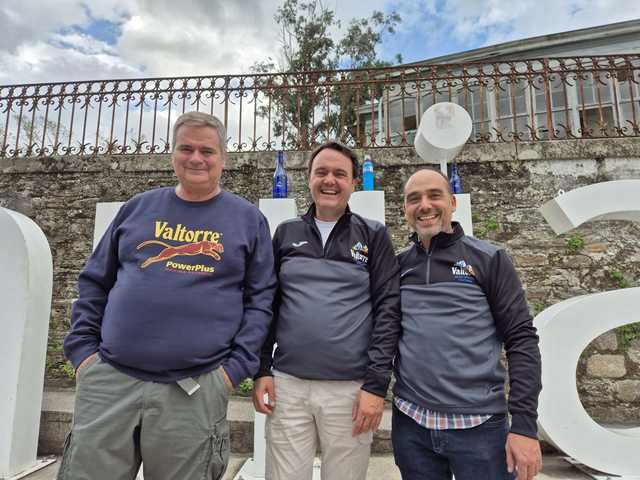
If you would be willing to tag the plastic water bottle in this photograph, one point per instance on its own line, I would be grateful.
(454, 181)
(280, 188)
(367, 174)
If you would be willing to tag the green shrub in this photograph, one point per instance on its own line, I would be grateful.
(629, 333)
(246, 386)
(574, 243)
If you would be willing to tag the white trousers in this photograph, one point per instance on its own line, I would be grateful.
(305, 411)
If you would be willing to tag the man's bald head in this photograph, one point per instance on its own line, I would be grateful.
(428, 204)
(429, 171)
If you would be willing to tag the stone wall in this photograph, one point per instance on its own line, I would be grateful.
(508, 183)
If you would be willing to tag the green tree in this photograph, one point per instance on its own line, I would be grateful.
(309, 98)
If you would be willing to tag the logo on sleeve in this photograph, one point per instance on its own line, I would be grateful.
(360, 253)
(463, 272)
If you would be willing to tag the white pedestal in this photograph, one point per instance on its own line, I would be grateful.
(369, 204)
(25, 299)
(105, 213)
(277, 210)
(463, 212)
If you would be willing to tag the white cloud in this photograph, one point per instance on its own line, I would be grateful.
(43, 62)
(82, 42)
(496, 21)
(49, 41)
(159, 38)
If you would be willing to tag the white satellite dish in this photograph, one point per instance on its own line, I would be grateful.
(444, 129)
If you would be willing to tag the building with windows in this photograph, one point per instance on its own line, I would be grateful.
(582, 83)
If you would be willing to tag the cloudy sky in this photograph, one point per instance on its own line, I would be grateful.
(45, 40)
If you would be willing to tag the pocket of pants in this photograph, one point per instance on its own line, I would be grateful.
(498, 420)
(220, 375)
(217, 450)
(85, 369)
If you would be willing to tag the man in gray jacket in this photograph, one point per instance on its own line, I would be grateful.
(336, 325)
(461, 302)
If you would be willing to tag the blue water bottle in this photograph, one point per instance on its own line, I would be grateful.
(280, 188)
(367, 174)
(454, 181)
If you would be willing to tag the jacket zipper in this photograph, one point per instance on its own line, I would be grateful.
(331, 236)
(429, 252)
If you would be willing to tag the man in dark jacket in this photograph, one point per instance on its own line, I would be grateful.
(461, 302)
(336, 325)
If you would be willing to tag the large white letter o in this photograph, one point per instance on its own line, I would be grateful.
(568, 327)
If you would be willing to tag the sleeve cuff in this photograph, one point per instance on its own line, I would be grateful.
(524, 425)
(376, 384)
(78, 356)
(263, 372)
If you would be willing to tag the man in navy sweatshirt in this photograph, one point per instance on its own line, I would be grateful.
(174, 305)
(462, 302)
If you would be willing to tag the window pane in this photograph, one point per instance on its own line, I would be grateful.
(480, 128)
(623, 88)
(504, 104)
(605, 90)
(541, 126)
(505, 126)
(519, 91)
(590, 119)
(521, 126)
(584, 88)
(561, 125)
(540, 101)
(627, 114)
(557, 99)
(426, 100)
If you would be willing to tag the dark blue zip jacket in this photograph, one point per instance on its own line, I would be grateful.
(461, 302)
(337, 311)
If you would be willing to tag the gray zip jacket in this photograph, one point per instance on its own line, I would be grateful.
(337, 309)
(461, 302)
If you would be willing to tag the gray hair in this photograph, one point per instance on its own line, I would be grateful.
(201, 119)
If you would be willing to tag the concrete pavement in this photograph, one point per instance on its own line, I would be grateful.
(381, 467)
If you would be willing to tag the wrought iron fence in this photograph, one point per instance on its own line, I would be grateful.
(508, 101)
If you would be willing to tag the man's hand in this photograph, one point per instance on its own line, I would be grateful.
(523, 455)
(367, 412)
(227, 380)
(261, 386)
(84, 363)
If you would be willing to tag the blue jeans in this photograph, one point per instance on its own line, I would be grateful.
(471, 454)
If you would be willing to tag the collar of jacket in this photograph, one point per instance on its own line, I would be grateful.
(442, 239)
(310, 216)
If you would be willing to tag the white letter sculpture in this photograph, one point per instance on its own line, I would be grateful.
(25, 302)
(567, 328)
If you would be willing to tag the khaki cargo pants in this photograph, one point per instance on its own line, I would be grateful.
(120, 421)
(307, 410)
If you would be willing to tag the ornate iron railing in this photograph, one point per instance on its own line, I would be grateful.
(524, 100)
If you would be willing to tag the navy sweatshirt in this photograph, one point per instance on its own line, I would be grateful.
(175, 289)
